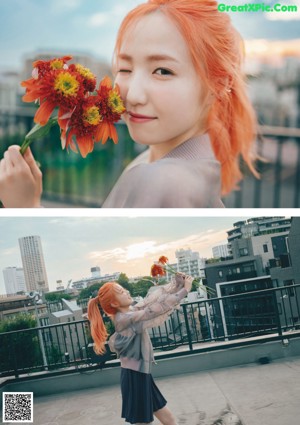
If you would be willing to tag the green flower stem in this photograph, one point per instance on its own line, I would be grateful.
(37, 132)
(170, 269)
(24, 146)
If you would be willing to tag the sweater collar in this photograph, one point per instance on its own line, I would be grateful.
(193, 148)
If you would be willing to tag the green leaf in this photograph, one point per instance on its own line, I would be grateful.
(39, 131)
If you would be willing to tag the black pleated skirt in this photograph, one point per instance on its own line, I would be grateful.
(140, 396)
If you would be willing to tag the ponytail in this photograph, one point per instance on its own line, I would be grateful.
(106, 296)
(98, 329)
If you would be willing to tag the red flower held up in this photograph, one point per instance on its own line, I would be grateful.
(157, 270)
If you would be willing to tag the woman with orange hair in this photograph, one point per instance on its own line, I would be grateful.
(141, 399)
(178, 64)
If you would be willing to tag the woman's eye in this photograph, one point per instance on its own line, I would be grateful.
(124, 70)
(163, 71)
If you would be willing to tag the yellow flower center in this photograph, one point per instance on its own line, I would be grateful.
(56, 64)
(92, 116)
(85, 72)
(115, 102)
(66, 84)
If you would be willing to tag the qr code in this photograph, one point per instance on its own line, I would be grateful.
(17, 407)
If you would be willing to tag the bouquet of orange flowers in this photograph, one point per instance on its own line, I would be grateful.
(160, 268)
(85, 114)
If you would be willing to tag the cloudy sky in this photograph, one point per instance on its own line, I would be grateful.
(72, 245)
(90, 26)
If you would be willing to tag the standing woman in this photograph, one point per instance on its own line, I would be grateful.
(141, 399)
(178, 64)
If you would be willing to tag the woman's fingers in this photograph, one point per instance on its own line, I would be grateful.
(29, 158)
(2, 167)
(8, 160)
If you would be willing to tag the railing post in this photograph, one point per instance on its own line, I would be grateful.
(277, 313)
(187, 327)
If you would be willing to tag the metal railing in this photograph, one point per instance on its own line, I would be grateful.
(74, 181)
(270, 311)
(279, 166)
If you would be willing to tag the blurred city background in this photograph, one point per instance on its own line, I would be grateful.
(87, 30)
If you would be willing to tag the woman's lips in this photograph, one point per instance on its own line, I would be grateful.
(138, 118)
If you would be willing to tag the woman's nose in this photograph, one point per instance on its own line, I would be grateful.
(136, 90)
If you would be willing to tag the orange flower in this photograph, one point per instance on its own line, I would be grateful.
(40, 68)
(83, 124)
(89, 79)
(111, 108)
(163, 259)
(157, 270)
(84, 117)
(59, 88)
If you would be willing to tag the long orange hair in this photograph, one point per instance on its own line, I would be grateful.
(106, 296)
(217, 52)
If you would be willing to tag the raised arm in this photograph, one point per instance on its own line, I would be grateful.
(155, 309)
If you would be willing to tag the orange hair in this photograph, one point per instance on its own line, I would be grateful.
(105, 297)
(217, 52)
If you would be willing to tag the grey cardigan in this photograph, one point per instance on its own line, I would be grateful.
(187, 177)
(131, 340)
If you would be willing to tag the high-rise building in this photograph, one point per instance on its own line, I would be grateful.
(188, 262)
(14, 280)
(33, 263)
(220, 251)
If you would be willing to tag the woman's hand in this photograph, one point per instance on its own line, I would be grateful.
(188, 281)
(20, 179)
(184, 281)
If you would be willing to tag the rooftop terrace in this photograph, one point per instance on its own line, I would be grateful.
(249, 395)
(257, 384)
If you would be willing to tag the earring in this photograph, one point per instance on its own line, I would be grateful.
(229, 90)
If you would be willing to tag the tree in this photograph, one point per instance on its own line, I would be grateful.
(141, 287)
(91, 291)
(19, 350)
(124, 281)
(57, 296)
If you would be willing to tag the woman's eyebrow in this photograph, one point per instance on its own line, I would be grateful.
(150, 58)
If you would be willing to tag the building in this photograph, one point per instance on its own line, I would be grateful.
(220, 251)
(263, 236)
(250, 266)
(12, 306)
(70, 336)
(286, 274)
(14, 280)
(33, 263)
(96, 272)
(188, 262)
(265, 255)
(95, 277)
(258, 226)
(246, 314)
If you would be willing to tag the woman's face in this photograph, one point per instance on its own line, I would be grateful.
(122, 297)
(159, 84)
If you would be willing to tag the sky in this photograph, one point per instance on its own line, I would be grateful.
(72, 245)
(90, 26)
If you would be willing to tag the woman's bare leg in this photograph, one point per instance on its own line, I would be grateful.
(165, 416)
